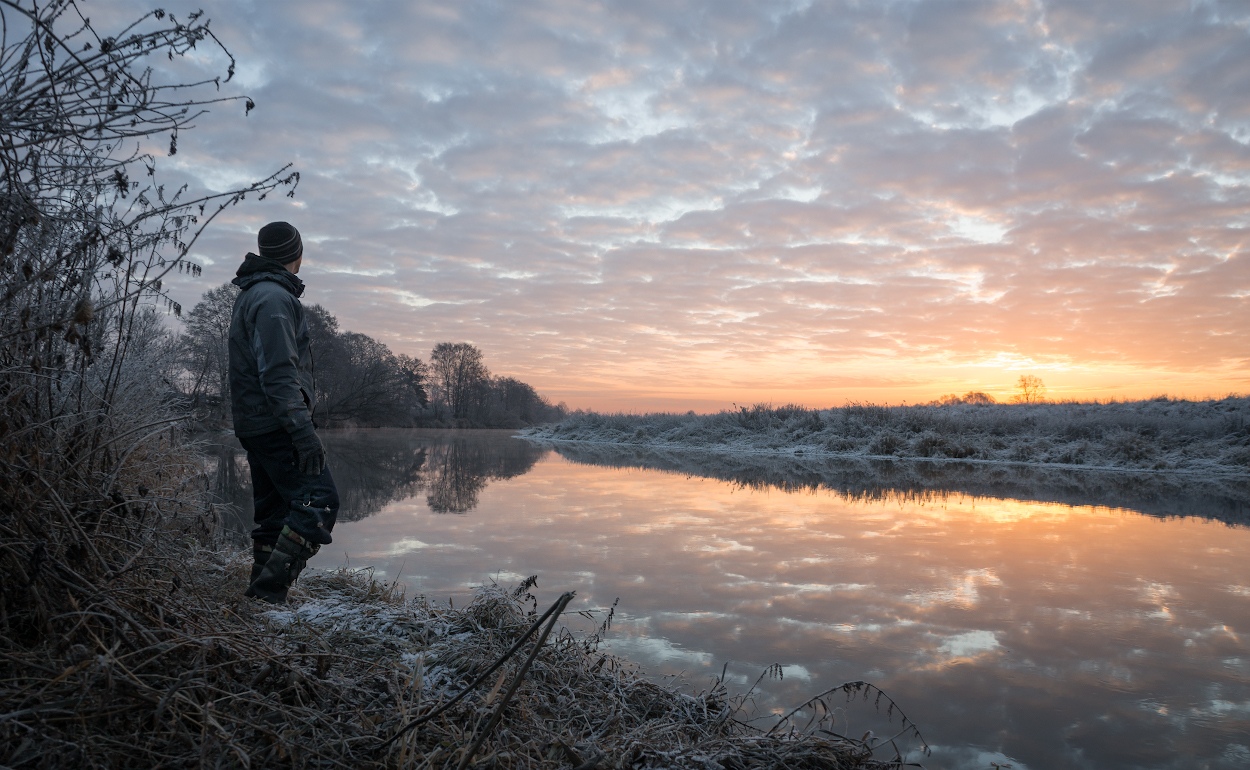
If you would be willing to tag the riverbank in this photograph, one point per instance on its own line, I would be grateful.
(1173, 494)
(1209, 438)
(205, 678)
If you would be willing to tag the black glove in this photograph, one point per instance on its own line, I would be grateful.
(310, 456)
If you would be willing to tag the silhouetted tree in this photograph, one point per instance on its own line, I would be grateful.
(323, 332)
(206, 357)
(1031, 390)
(506, 402)
(459, 374)
(971, 397)
(359, 380)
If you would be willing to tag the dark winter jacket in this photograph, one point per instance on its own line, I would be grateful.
(271, 383)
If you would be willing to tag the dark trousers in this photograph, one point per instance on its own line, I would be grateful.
(282, 496)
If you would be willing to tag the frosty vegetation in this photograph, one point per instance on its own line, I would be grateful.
(1160, 434)
(1223, 498)
(92, 469)
(209, 679)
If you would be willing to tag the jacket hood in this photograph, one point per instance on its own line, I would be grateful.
(256, 268)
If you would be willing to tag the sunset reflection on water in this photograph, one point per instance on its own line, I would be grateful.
(1044, 634)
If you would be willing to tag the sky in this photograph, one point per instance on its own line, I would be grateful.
(643, 206)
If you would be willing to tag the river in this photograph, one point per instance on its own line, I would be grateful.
(1022, 617)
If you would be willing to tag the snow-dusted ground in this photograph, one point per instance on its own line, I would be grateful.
(1207, 438)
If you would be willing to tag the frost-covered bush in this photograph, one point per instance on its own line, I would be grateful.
(93, 476)
(1157, 434)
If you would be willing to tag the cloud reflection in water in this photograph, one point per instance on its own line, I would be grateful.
(1024, 630)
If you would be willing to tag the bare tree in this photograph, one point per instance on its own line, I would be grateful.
(1031, 390)
(413, 374)
(509, 403)
(206, 354)
(458, 371)
(359, 380)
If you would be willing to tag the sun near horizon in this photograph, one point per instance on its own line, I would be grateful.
(1067, 384)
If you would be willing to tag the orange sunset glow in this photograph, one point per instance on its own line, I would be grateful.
(672, 206)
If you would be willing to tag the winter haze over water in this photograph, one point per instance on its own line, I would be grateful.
(646, 206)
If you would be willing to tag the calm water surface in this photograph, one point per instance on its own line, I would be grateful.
(1041, 634)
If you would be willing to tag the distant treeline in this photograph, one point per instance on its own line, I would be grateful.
(1160, 434)
(360, 381)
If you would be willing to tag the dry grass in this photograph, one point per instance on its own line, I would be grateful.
(184, 673)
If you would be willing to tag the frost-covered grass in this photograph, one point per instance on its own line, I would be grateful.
(1223, 497)
(350, 674)
(1160, 434)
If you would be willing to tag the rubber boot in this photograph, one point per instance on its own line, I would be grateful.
(260, 555)
(290, 555)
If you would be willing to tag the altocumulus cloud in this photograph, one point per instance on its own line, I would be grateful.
(679, 204)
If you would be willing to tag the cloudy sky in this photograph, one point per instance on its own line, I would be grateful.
(644, 205)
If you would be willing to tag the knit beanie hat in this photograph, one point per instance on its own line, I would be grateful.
(280, 242)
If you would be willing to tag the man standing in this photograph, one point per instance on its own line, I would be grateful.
(272, 398)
